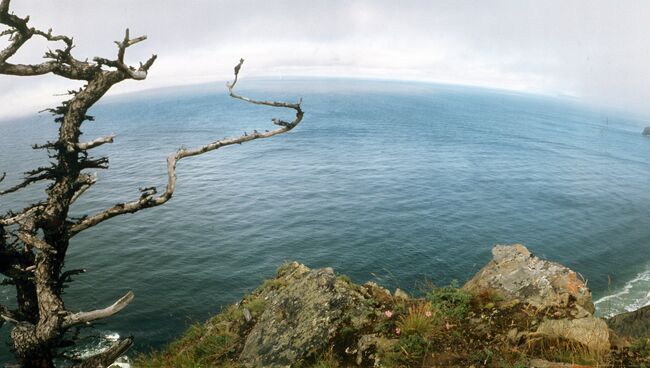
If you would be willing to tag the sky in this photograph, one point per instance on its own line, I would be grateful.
(596, 51)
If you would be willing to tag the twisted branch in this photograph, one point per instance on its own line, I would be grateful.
(149, 199)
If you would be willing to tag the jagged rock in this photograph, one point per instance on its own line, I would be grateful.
(632, 324)
(515, 273)
(369, 345)
(617, 342)
(303, 317)
(401, 294)
(646, 131)
(590, 331)
(541, 363)
(380, 294)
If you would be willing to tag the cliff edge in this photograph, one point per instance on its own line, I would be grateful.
(518, 311)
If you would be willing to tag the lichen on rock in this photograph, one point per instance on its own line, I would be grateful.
(302, 319)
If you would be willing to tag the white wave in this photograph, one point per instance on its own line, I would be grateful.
(633, 295)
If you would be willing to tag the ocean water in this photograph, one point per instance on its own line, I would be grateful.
(393, 182)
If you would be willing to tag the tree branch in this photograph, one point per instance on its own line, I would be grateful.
(84, 182)
(26, 182)
(92, 144)
(62, 62)
(86, 317)
(35, 242)
(108, 356)
(13, 218)
(149, 199)
(6, 315)
(137, 74)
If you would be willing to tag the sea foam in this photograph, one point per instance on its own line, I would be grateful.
(633, 295)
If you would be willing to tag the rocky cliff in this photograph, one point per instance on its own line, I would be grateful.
(518, 311)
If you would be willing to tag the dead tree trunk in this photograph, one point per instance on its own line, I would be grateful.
(34, 241)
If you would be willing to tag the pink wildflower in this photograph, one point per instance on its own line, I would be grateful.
(428, 314)
(388, 314)
(397, 331)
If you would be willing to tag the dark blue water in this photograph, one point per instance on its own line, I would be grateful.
(385, 181)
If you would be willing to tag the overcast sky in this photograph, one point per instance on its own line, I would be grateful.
(598, 51)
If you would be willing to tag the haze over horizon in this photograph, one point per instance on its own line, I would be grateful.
(595, 51)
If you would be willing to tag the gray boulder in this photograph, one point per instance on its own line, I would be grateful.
(304, 316)
(646, 131)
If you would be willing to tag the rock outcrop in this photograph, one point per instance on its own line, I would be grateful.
(646, 131)
(515, 273)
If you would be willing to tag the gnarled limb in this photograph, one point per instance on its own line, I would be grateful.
(149, 199)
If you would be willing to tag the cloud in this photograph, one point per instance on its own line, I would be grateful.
(595, 50)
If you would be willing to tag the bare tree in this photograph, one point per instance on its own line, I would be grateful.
(34, 241)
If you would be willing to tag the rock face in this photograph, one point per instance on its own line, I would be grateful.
(303, 317)
(515, 273)
(590, 331)
(646, 131)
(632, 324)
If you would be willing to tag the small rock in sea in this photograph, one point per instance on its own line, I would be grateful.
(646, 131)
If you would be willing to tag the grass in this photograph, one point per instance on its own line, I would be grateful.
(565, 351)
(202, 345)
(255, 305)
(196, 349)
(451, 301)
(273, 284)
(421, 319)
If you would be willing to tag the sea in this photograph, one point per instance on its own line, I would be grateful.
(401, 183)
